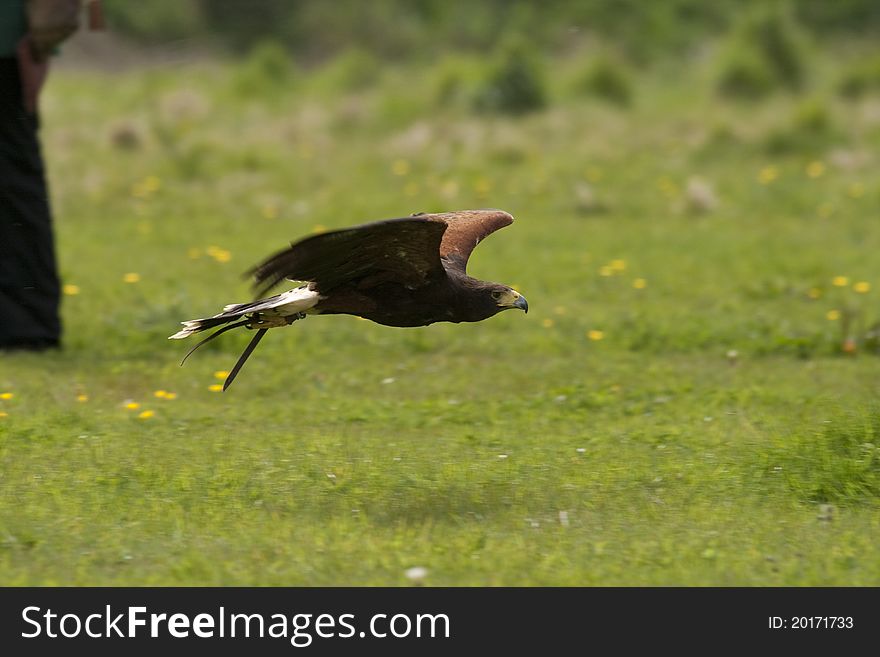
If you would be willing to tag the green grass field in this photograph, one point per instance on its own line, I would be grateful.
(692, 399)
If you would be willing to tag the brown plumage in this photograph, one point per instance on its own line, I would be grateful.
(398, 272)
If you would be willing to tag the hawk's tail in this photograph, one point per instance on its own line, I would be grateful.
(280, 310)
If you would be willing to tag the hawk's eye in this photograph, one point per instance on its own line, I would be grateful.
(496, 295)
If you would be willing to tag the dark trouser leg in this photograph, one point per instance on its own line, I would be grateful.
(29, 287)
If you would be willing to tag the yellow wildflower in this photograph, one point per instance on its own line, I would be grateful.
(547, 323)
(593, 174)
(70, 289)
(146, 415)
(132, 405)
(131, 277)
(482, 187)
(215, 387)
(815, 169)
(840, 281)
(862, 287)
(595, 335)
(7, 395)
(152, 183)
(767, 175)
(833, 315)
(640, 284)
(400, 167)
(856, 190)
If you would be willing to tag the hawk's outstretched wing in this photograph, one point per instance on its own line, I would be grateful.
(405, 250)
(466, 229)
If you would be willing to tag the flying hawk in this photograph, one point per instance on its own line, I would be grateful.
(397, 272)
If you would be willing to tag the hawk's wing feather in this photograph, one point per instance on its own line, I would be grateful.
(466, 229)
(407, 250)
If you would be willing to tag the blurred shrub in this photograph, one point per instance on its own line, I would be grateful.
(745, 75)
(514, 82)
(354, 70)
(455, 80)
(269, 68)
(157, 20)
(861, 79)
(810, 128)
(608, 79)
(812, 116)
(767, 50)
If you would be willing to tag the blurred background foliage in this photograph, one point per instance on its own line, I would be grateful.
(317, 29)
(496, 56)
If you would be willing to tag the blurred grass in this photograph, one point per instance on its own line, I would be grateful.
(677, 407)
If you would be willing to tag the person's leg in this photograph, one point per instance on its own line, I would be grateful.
(29, 286)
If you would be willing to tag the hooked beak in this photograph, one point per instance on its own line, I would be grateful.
(521, 303)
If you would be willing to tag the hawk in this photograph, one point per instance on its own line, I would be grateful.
(398, 272)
